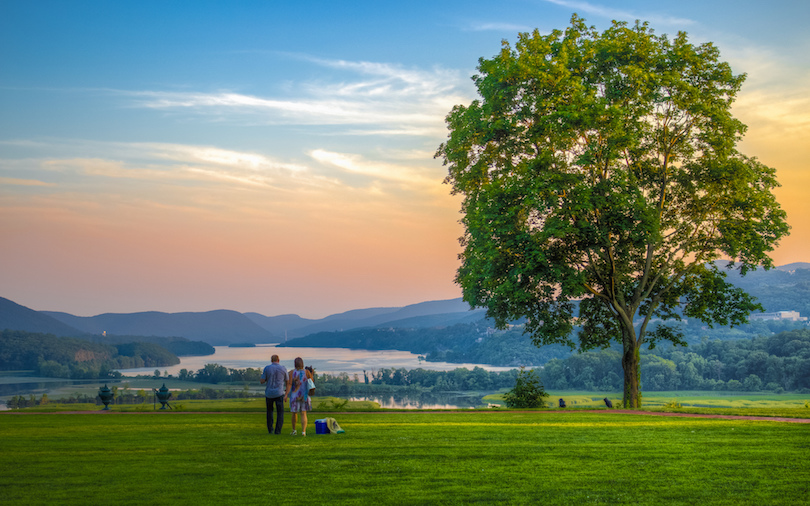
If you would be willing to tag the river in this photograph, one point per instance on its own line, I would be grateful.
(324, 360)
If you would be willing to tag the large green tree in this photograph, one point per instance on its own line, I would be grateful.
(601, 182)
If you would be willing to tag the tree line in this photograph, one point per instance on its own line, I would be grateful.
(74, 358)
(477, 379)
(459, 379)
(480, 343)
(774, 363)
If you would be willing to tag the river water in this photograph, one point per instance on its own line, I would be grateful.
(324, 360)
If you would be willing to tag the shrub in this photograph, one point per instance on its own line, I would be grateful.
(528, 391)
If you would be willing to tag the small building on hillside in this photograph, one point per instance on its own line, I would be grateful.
(779, 315)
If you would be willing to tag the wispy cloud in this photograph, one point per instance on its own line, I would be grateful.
(217, 156)
(621, 15)
(374, 98)
(12, 181)
(148, 162)
(499, 27)
(195, 177)
(408, 175)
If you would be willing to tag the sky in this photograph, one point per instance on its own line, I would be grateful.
(277, 157)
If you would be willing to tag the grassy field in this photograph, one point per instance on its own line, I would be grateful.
(742, 403)
(460, 457)
(255, 405)
(718, 403)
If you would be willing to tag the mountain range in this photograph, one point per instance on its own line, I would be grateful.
(785, 288)
(224, 327)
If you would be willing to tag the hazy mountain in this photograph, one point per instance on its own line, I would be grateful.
(16, 317)
(784, 288)
(224, 327)
(220, 327)
(436, 320)
(421, 315)
(280, 325)
(794, 266)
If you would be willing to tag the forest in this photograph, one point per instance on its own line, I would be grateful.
(75, 358)
(776, 363)
(759, 356)
(480, 343)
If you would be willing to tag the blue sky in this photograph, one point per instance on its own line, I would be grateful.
(278, 157)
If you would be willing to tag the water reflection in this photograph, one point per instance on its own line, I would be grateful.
(424, 400)
(19, 386)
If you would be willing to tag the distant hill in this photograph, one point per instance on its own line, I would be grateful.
(785, 288)
(421, 315)
(221, 327)
(436, 320)
(280, 325)
(16, 317)
(225, 327)
(794, 266)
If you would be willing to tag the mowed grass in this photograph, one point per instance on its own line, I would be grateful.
(715, 403)
(539, 457)
(257, 405)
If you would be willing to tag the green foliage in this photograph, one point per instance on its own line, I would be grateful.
(603, 167)
(66, 357)
(779, 362)
(213, 373)
(528, 391)
(333, 404)
(459, 379)
(151, 354)
(180, 346)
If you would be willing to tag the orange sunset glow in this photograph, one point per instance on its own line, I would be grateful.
(284, 163)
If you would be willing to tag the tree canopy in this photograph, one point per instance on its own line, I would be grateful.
(603, 168)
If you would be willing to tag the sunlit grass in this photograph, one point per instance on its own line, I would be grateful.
(256, 404)
(460, 457)
(719, 403)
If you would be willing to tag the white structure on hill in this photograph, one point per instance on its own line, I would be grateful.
(779, 315)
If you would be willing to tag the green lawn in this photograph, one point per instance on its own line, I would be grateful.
(460, 457)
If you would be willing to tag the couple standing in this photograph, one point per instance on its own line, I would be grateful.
(275, 377)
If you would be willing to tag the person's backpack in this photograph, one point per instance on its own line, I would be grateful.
(310, 383)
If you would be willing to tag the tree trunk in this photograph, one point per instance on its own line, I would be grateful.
(631, 363)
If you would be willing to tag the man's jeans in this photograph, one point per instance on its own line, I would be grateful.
(279, 402)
